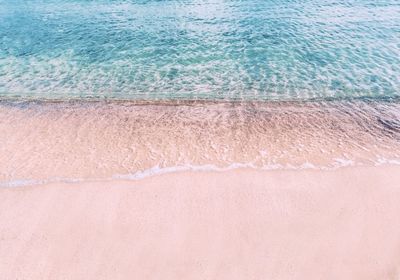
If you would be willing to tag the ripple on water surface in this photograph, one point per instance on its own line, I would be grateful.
(249, 49)
(99, 140)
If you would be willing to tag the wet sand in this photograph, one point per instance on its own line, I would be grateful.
(82, 139)
(239, 224)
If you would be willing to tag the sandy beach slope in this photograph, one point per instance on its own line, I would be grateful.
(239, 224)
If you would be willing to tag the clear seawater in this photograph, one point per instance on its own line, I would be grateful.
(199, 49)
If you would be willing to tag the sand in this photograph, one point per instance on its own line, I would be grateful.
(239, 224)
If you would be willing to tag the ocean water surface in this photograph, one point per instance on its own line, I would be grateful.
(199, 49)
(124, 89)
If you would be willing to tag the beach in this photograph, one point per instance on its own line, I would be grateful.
(186, 139)
(237, 224)
(50, 141)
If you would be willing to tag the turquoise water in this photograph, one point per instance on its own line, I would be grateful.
(192, 49)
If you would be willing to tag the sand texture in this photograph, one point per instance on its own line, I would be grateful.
(239, 224)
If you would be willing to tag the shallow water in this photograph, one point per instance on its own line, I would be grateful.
(199, 49)
(47, 141)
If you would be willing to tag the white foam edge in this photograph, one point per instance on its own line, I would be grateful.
(157, 170)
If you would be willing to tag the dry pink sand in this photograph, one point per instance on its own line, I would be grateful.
(240, 224)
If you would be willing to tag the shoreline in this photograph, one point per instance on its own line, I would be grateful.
(237, 224)
(157, 171)
(100, 140)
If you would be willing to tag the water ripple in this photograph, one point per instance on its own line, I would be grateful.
(200, 49)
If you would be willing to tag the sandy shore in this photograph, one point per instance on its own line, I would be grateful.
(81, 139)
(240, 224)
